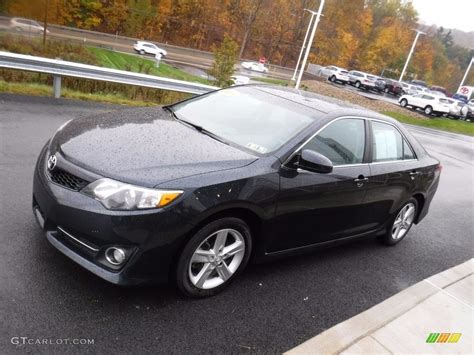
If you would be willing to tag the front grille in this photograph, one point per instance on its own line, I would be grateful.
(63, 178)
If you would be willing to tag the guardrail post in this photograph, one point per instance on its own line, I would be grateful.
(57, 86)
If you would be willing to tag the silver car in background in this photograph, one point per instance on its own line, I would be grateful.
(335, 74)
(362, 80)
(25, 25)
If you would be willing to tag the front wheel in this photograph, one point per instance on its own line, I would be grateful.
(142, 52)
(404, 103)
(357, 84)
(333, 78)
(213, 257)
(428, 110)
(401, 223)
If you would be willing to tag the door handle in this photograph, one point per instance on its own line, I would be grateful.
(360, 180)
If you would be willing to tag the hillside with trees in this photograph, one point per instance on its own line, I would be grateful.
(370, 35)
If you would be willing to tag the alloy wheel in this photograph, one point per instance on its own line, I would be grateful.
(216, 259)
(403, 221)
(428, 110)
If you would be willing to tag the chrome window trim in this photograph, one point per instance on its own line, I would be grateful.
(77, 240)
(292, 155)
(392, 161)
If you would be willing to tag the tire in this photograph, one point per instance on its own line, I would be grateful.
(404, 224)
(428, 110)
(332, 79)
(404, 103)
(357, 84)
(386, 90)
(217, 271)
(142, 52)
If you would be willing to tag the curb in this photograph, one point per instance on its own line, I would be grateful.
(345, 334)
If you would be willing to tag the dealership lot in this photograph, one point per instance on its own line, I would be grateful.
(271, 308)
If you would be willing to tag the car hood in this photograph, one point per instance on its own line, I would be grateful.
(143, 146)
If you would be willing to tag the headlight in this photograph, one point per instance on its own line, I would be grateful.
(115, 195)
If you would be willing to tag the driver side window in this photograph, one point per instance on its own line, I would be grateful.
(342, 142)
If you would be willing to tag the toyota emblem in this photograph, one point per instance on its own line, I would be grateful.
(52, 160)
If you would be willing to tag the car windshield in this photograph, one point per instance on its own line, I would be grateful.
(246, 116)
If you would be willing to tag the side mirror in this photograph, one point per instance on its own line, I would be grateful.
(315, 162)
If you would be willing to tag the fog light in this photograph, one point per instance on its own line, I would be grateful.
(115, 256)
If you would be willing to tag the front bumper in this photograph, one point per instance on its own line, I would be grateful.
(82, 229)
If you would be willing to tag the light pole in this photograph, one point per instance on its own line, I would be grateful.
(304, 42)
(465, 74)
(418, 33)
(308, 48)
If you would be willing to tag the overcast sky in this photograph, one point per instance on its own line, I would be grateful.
(447, 13)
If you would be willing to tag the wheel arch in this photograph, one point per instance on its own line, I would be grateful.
(248, 215)
(420, 198)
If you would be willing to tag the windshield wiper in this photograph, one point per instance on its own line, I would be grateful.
(197, 127)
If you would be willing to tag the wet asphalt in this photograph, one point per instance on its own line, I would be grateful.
(271, 308)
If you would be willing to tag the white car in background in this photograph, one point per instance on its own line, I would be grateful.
(255, 66)
(455, 107)
(333, 74)
(149, 48)
(430, 104)
(24, 25)
(362, 80)
(240, 79)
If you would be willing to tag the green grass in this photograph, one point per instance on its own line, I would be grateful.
(46, 90)
(123, 61)
(272, 81)
(444, 124)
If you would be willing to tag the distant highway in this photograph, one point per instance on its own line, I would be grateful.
(178, 55)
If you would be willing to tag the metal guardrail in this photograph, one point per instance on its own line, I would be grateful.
(59, 68)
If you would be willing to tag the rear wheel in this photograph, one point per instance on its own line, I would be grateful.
(428, 110)
(401, 223)
(213, 257)
(357, 84)
(333, 78)
(404, 103)
(386, 90)
(142, 52)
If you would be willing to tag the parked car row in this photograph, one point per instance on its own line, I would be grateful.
(416, 94)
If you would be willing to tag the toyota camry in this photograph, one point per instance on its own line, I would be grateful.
(191, 192)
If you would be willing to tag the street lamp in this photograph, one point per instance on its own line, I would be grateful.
(308, 47)
(465, 74)
(418, 33)
(313, 13)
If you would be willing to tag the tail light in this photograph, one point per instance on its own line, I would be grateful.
(439, 169)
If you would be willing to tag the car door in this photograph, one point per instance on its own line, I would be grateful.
(416, 100)
(314, 207)
(394, 173)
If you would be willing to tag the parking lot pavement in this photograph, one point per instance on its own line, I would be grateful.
(271, 308)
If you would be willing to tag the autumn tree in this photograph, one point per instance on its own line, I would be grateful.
(225, 57)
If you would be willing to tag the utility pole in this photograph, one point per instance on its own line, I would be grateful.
(46, 3)
(418, 33)
(304, 43)
(308, 48)
(465, 74)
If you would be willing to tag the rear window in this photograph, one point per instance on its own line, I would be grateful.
(445, 101)
(344, 72)
(370, 77)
